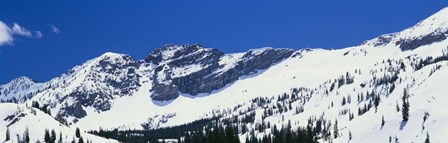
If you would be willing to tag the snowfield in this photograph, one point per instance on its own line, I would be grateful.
(18, 118)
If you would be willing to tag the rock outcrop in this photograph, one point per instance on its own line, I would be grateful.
(193, 69)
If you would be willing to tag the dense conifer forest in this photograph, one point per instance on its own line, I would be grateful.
(205, 131)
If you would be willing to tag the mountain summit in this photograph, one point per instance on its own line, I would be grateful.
(431, 30)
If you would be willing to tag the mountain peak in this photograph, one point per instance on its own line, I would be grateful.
(109, 58)
(18, 89)
(259, 50)
(436, 23)
(170, 52)
(111, 55)
(430, 30)
(23, 80)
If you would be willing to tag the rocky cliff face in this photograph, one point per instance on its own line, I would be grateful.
(173, 70)
(411, 44)
(94, 84)
(193, 69)
(104, 79)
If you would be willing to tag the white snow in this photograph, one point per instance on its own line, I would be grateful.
(186, 70)
(229, 61)
(36, 124)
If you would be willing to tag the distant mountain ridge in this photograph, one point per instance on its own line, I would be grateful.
(175, 70)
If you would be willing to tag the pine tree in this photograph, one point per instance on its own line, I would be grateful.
(382, 121)
(187, 138)
(336, 130)
(349, 135)
(405, 110)
(77, 133)
(376, 102)
(18, 138)
(231, 135)
(8, 135)
(26, 135)
(81, 140)
(47, 137)
(60, 137)
(427, 138)
(53, 136)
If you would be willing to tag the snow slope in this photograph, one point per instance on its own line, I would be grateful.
(18, 118)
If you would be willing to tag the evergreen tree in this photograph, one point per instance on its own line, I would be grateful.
(427, 138)
(247, 139)
(187, 138)
(232, 137)
(81, 140)
(349, 135)
(26, 135)
(376, 102)
(60, 137)
(47, 137)
(122, 137)
(53, 136)
(77, 133)
(8, 135)
(18, 138)
(405, 108)
(382, 121)
(336, 130)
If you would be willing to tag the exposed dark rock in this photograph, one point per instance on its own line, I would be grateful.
(113, 75)
(162, 92)
(167, 85)
(411, 44)
(76, 110)
(251, 62)
(383, 40)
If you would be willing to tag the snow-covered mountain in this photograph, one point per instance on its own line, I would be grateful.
(19, 90)
(19, 120)
(357, 87)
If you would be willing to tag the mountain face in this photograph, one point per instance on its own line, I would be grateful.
(192, 69)
(339, 93)
(107, 76)
(431, 30)
(173, 70)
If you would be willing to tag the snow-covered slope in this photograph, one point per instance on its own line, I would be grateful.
(20, 120)
(176, 84)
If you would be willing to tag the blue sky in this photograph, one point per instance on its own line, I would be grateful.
(89, 28)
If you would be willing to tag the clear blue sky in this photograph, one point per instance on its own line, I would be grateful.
(89, 28)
